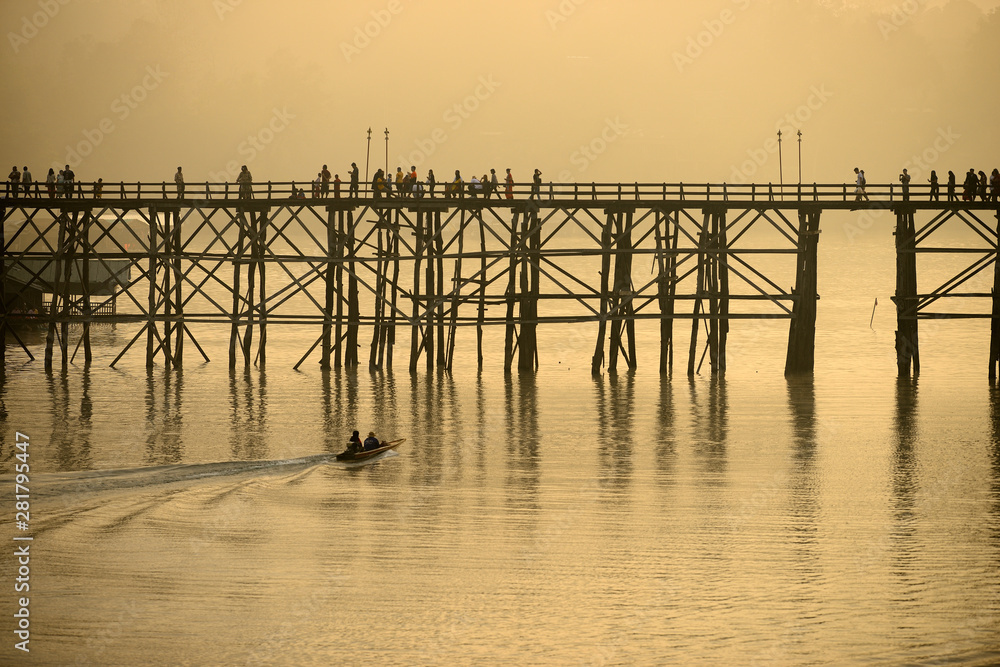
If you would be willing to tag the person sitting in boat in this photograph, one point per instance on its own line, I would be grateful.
(371, 442)
(354, 444)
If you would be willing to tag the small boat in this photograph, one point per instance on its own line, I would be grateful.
(355, 457)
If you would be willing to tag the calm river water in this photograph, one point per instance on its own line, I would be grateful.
(553, 518)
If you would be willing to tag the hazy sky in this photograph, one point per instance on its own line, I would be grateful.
(583, 89)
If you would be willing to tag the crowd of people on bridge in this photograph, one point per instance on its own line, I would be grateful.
(409, 185)
(974, 187)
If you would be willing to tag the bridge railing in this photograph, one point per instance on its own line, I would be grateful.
(603, 192)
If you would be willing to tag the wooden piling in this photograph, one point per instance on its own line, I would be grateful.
(614, 298)
(238, 260)
(528, 311)
(597, 361)
(511, 295)
(180, 327)
(439, 255)
(800, 358)
(722, 261)
(167, 290)
(377, 335)
(88, 355)
(330, 285)
(3, 294)
(481, 283)
(994, 321)
(395, 294)
(666, 247)
(699, 292)
(907, 342)
(433, 221)
(338, 330)
(456, 294)
(415, 329)
(353, 307)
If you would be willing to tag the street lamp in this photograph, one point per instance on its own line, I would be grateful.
(368, 156)
(387, 153)
(800, 157)
(781, 169)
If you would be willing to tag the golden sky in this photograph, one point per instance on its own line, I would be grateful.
(585, 90)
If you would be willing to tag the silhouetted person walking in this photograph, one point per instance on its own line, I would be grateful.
(536, 184)
(352, 192)
(859, 188)
(904, 178)
(935, 188)
(15, 179)
(951, 187)
(26, 182)
(245, 179)
(179, 180)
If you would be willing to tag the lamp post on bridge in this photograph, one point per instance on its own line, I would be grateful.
(800, 157)
(368, 156)
(781, 169)
(387, 154)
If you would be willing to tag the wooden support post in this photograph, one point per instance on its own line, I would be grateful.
(379, 312)
(439, 250)
(666, 245)
(528, 312)
(615, 298)
(415, 342)
(602, 326)
(802, 328)
(252, 265)
(331, 286)
(234, 333)
(429, 301)
(456, 294)
(353, 307)
(511, 334)
(262, 219)
(629, 310)
(88, 355)
(481, 316)
(180, 327)
(3, 294)
(712, 289)
(339, 256)
(167, 290)
(907, 343)
(699, 293)
(154, 261)
(723, 270)
(994, 321)
(389, 337)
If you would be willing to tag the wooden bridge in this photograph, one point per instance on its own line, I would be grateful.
(436, 264)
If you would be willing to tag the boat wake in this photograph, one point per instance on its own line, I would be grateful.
(94, 481)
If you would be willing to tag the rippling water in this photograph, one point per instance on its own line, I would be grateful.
(196, 517)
